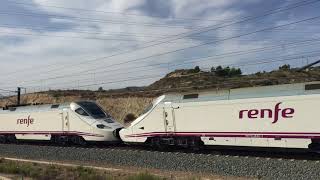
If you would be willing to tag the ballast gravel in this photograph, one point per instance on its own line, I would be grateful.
(241, 166)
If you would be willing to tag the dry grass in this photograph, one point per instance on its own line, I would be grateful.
(13, 169)
(120, 107)
(28, 170)
(117, 107)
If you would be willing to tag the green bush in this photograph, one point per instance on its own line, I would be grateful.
(226, 71)
(195, 70)
(285, 67)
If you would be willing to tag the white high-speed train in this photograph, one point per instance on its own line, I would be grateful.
(77, 122)
(271, 116)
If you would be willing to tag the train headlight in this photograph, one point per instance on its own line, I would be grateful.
(101, 126)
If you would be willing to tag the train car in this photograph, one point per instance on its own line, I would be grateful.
(284, 116)
(76, 122)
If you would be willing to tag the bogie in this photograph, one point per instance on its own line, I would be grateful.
(11, 138)
(3, 139)
(60, 140)
(314, 145)
(78, 140)
(64, 140)
(162, 143)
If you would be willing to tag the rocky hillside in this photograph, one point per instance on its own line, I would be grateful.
(189, 79)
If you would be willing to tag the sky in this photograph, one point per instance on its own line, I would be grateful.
(81, 44)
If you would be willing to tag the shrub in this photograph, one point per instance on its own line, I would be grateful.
(100, 89)
(129, 118)
(221, 71)
(213, 69)
(227, 71)
(196, 69)
(235, 72)
(285, 67)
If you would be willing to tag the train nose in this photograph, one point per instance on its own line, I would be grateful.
(116, 133)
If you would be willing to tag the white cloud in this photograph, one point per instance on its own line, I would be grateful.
(47, 48)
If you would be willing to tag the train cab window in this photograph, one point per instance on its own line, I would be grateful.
(55, 106)
(190, 96)
(12, 109)
(81, 112)
(312, 87)
(147, 109)
(94, 110)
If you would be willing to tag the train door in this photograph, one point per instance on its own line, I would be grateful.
(169, 119)
(65, 120)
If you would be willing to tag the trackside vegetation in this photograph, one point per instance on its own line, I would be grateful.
(26, 170)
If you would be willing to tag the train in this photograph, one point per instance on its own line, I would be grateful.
(280, 116)
(77, 122)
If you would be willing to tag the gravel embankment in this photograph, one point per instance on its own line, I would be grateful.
(265, 168)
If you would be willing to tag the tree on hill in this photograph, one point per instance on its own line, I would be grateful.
(226, 72)
(235, 72)
(213, 69)
(195, 70)
(285, 67)
(221, 71)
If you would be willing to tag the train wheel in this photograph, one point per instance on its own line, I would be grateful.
(60, 140)
(195, 144)
(82, 142)
(157, 145)
(78, 140)
(315, 145)
(11, 139)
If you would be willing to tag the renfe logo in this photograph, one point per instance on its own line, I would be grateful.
(268, 113)
(26, 121)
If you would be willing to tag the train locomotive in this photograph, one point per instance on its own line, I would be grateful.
(77, 122)
(283, 116)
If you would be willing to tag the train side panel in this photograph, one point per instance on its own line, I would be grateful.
(74, 122)
(33, 125)
(252, 122)
(152, 122)
(287, 121)
(89, 132)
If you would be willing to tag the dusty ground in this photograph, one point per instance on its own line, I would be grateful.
(31, 169)
(117, 107)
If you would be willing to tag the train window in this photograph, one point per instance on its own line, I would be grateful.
(190, 96)
(94, 110)
(12, 109)
(109, 120)
(81, 112)
(147, 109)
(312, 86)
(54, 106)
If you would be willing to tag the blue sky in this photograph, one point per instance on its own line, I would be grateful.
(74, 44)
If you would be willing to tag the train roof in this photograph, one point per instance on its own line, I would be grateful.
(32, 108)
(249, 92)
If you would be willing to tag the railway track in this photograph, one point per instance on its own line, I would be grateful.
(283, 153)
(255, 163)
